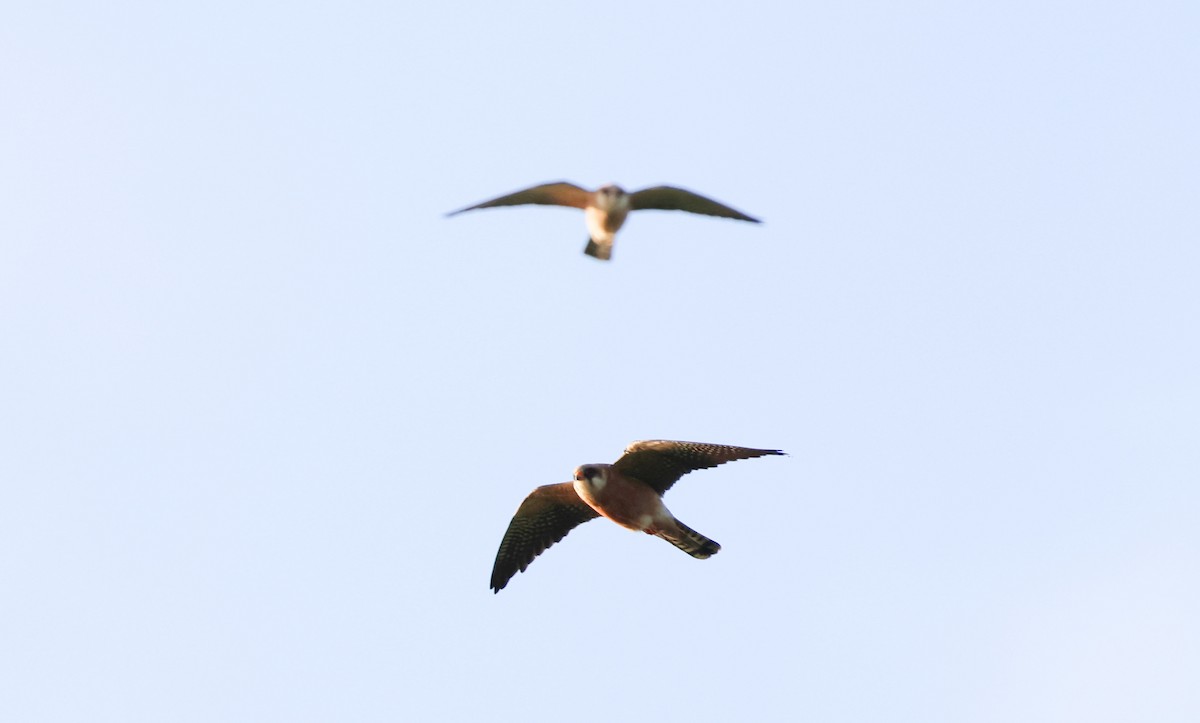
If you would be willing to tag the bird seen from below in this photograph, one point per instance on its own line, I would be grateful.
(629, 492)
(605, 208)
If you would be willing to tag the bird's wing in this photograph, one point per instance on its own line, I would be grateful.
(660, 463)
(544, 518)
(669, 198)
(547, 194)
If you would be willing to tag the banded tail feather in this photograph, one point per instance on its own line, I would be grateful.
(691, 542)
(599, 250)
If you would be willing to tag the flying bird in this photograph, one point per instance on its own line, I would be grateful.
(605, 208)
(628, 492)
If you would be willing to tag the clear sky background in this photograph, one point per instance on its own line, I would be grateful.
(265, 413)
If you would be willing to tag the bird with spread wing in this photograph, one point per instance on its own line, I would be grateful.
(605, 208)
(629, 492)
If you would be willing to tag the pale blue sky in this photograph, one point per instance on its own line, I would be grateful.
(265, 413)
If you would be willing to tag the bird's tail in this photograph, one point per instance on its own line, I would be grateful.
(690, 541)
(602, 251)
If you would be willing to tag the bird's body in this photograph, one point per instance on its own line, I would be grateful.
(629, 492)
(635, 505)
(606, 208)
(628, 502)
(605, 215)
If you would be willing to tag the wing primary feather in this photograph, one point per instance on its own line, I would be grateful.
(559, 193)
(660, 463)
(544, 518)
(670, 198)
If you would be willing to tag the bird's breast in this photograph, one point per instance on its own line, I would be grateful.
(603, 223)
(628, 503)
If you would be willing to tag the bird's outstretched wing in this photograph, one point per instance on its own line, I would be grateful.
(544, 518)
(669, 198)
(547, 194)
(660, 463)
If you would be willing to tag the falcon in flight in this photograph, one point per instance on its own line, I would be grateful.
(605, 208)
(628, 492)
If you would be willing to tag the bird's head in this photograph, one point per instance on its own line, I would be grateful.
(593, 475)
(610, 196)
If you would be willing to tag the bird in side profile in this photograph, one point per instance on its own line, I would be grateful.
(628, 492)
(605, 208)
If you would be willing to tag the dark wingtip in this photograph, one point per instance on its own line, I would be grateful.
(767, 452)
(457, 211)
(497, 583)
